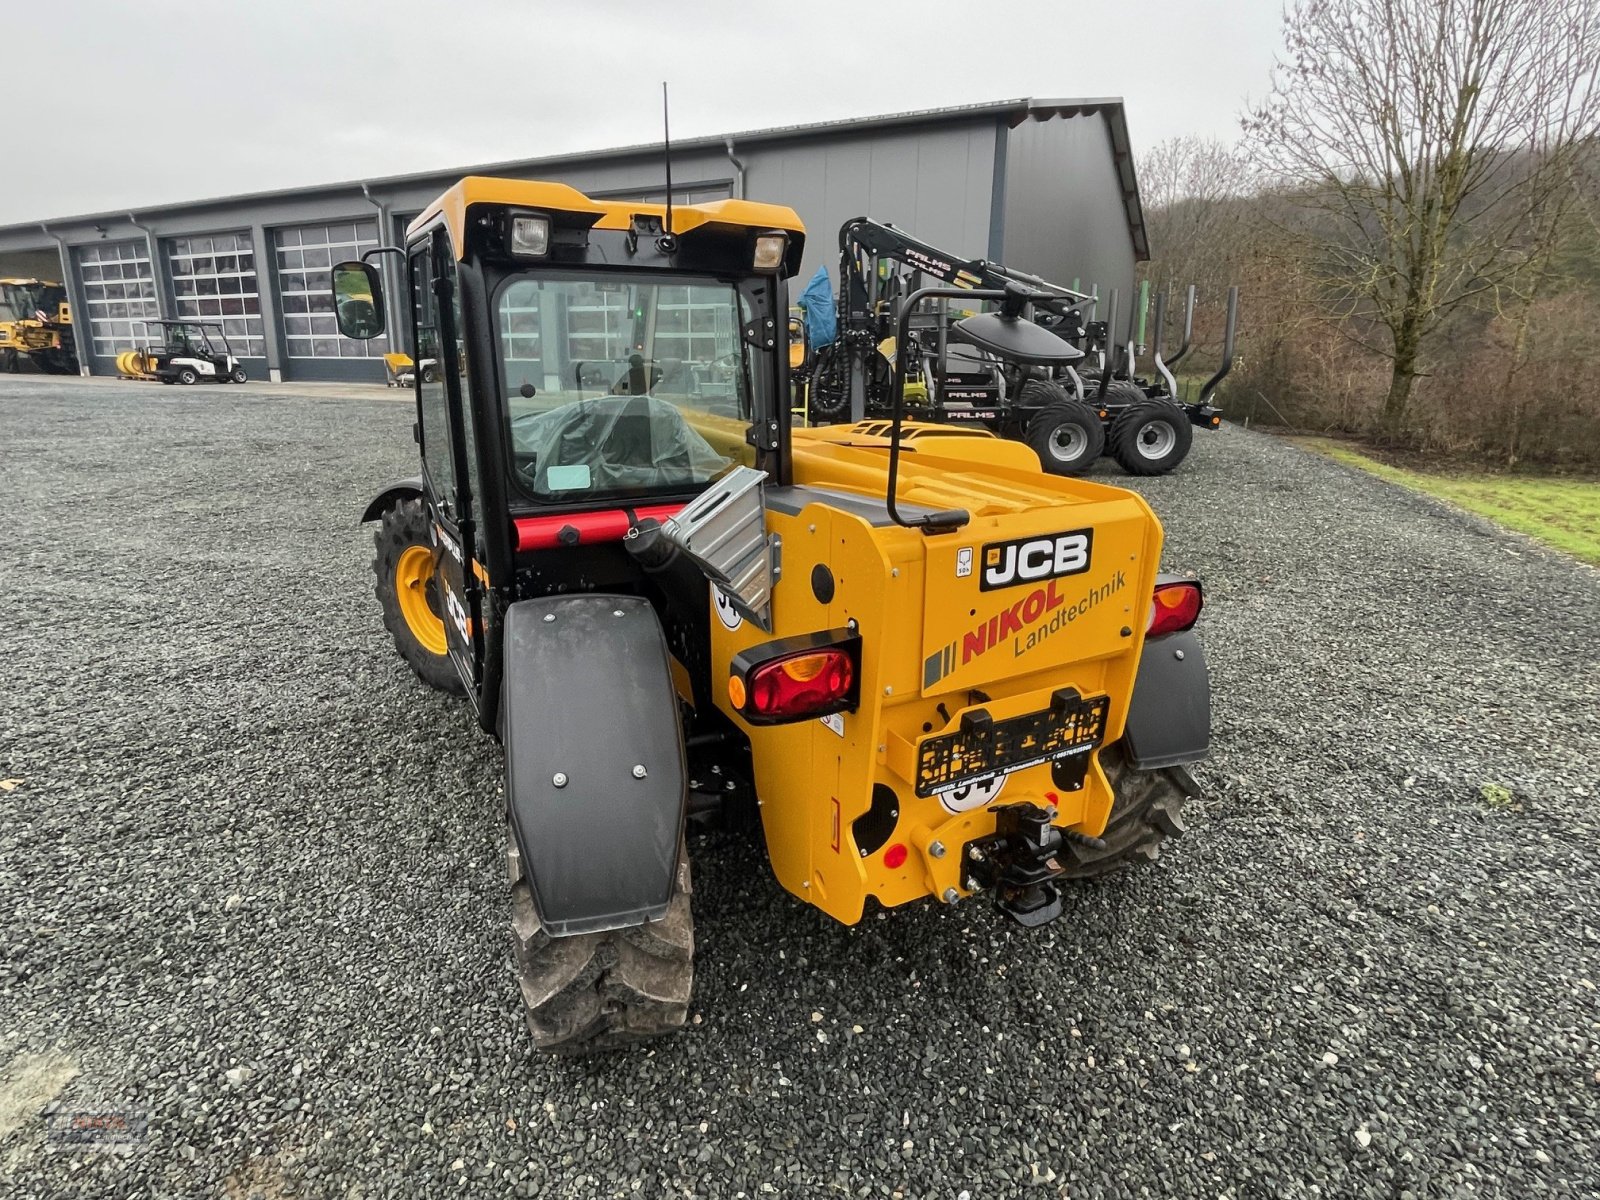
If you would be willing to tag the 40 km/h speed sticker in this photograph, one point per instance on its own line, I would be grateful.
(973, 795)
(726, 613)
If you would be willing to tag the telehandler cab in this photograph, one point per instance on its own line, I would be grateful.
(932, 668)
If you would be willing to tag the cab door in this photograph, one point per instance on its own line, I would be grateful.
(449, 452)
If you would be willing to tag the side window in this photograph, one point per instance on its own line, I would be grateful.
(429, 367)
(468, 424)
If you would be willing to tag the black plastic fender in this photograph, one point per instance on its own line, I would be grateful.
(1169, 718)
(403, 489)
(595, 775)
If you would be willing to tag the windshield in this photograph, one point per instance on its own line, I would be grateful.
(22, 300)
(626, 384)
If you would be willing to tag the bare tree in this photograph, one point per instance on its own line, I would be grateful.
(1431, 147)
(1195, 191)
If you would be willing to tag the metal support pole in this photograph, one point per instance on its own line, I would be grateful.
(1108, 364)
(1227, 346)
(158, 275)
(1188, 328)
(82, 344)
(272, 343)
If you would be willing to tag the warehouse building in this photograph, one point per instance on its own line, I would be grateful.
(1047, 186)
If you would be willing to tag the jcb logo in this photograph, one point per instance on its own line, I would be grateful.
(1028, 560)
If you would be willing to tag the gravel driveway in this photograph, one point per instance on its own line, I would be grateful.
(252, 886)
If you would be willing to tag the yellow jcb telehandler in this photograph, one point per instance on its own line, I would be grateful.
(934, 670)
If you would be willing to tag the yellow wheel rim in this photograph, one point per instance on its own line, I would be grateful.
(413, 575)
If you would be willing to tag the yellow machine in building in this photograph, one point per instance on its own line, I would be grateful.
(36, 322)
(933, 670)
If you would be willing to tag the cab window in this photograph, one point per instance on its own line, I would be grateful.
(623, 384)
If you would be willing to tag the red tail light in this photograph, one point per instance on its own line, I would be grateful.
(1175, 607)
(795, 678)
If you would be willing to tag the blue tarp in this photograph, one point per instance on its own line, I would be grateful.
(822, 319)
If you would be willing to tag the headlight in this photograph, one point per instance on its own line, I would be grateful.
(770, 249)
(530, 236)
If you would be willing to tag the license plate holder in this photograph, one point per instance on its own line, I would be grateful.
(983, 746)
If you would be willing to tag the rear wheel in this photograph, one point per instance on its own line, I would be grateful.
(596, 991)
(408, 590)
(1067, 436)
(1146, 810)
(1151, 438)
(188, 375)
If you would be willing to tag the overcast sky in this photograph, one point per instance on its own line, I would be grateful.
(131, 103)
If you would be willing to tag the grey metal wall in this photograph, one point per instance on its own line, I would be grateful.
(1064, 215)
(30, 264)
(935, 181)
(1043, 196)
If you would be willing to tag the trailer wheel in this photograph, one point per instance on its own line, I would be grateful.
(1067, 437)
(1151, 438)
(1146, 810)
(597, 991)
(408, 590)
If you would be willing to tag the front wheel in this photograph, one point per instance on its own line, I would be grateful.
(238, 375)
(408, 588)
(1146, 810)
(596, 991)
(1151, 438)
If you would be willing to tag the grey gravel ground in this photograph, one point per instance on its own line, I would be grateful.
(252, 884)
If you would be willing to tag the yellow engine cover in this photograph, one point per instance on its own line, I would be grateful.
(1047, 587)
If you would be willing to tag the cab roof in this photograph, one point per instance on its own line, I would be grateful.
(610, 214)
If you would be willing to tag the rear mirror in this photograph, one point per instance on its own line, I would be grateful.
(358, 300)
(799, 344)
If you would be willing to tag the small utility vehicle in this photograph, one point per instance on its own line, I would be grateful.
(932, 669)
(188, 352)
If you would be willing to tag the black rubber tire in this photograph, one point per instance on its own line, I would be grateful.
(598, 991)
(239, 375)
(1087, 436)
(1131, 435)
(1041, 394)
(1146, 810)
(405, 523)
(1120, 395)
(430, 374)
(54, 362)
(830, 384)
(188, 376)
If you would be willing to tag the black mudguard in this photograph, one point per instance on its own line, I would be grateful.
(1169, 719)
(402, 489)
(589, 701)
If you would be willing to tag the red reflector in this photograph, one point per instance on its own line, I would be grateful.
(799, 684)
(895, 857)
(1175, 607)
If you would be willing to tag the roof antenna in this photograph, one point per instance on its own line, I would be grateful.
(666, 243)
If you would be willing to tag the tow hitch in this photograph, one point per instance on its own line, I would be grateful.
(1021, 863)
